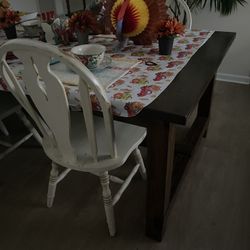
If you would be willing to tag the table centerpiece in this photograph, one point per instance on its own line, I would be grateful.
(8, 19)
(167, 30)
(83, 23)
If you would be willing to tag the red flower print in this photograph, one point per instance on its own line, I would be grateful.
(174, 64)
(163, 75)
(133, 70)
(197, 39)
(95, 103)
(191, 46)
(184, 54)
(133, 108)
(153, 51)
(147, 90)
(165, 58)
(116, 83)
(204, 33)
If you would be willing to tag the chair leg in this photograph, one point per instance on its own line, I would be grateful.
(52, 184)
(29, 126)
(139, 160)
(107, 199)
(4, 129)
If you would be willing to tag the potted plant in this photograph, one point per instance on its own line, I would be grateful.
(167, 30)
(83, 23)
(8, 19)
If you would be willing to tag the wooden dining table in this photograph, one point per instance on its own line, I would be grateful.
(192, 88)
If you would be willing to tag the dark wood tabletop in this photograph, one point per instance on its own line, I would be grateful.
(177, 102)
(192, 87)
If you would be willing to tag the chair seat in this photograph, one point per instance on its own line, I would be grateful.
(128, 137)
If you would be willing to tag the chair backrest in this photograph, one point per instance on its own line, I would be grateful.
(51, 112)
(180, 9)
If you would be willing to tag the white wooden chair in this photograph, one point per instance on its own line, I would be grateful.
(180, 9)
(74, 140)
(8, 107)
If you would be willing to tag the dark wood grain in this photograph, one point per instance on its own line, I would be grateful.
(177, 102)
(205, 101)
(204, 106)
(192, 86)
(160, 167)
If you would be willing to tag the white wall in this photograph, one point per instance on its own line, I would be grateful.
(39, 5)
(45, 5)
(25, 5)
(236, 65)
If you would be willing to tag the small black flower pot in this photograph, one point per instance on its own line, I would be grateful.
(166, 45)
(10, 32)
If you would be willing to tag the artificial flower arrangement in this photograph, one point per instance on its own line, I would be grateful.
(169, 27)
(8, 17)
(84, 21)
(166, 31)
(63, 33)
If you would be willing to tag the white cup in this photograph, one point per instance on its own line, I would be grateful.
(91, 55)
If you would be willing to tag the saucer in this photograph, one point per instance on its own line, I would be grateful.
(106, 62)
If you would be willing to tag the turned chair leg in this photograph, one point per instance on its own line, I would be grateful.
(4, 129)
(139, 160)
(52, 184)
(107, 199)
(29, 126)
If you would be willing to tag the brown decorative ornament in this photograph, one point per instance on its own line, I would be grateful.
(157, 10)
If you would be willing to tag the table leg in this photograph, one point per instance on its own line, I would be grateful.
(205, 103)
(161, 143)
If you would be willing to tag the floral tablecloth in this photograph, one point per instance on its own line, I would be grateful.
(144, 82)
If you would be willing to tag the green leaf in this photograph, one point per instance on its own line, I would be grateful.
(225, 7)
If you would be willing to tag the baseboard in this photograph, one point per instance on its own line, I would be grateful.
(233, 78)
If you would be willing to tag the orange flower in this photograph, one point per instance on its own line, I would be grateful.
(84, 21)
(169, 27)
(8, 17)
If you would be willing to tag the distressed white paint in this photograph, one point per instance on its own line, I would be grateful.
(78, 141)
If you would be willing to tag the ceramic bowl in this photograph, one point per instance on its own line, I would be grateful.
(91, 55)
